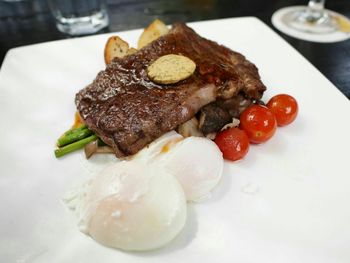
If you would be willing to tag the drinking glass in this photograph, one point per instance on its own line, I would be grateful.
(79, 17)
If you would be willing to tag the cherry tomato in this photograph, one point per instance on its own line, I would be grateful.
(259, 123)
(233, 143)
(285, 108)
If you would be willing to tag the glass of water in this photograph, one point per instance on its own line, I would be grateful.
(79, 17)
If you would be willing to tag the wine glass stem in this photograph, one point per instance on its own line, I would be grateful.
(316, 5)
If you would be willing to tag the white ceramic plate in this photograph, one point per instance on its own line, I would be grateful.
(287, 201)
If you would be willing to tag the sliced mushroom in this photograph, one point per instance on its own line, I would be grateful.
(104, 149)
(90, 149)
(190, 128)
(213, 118)
(93, 147)
(236, 105)
(235, 123)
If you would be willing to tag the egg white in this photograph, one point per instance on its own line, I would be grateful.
(196, 162)
(133, 207)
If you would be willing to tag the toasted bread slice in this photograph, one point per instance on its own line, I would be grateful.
(131, 51)
(115, 47)
(156, 29)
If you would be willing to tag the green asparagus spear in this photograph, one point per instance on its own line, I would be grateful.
(81, 127)
(74, 146)
(73, 136)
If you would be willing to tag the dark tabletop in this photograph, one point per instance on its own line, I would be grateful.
(28, 22)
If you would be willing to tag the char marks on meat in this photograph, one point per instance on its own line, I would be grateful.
(128, 111)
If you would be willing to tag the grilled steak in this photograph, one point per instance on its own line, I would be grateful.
(127, 110)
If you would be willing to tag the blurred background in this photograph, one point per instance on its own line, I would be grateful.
(30, 21)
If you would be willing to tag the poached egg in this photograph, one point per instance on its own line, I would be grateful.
(196, 162)
(132, 207)
(140, 204)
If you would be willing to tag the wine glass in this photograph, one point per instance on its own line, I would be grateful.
(312, 22)
(312, 18)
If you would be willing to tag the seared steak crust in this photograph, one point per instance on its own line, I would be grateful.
(127, 110)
